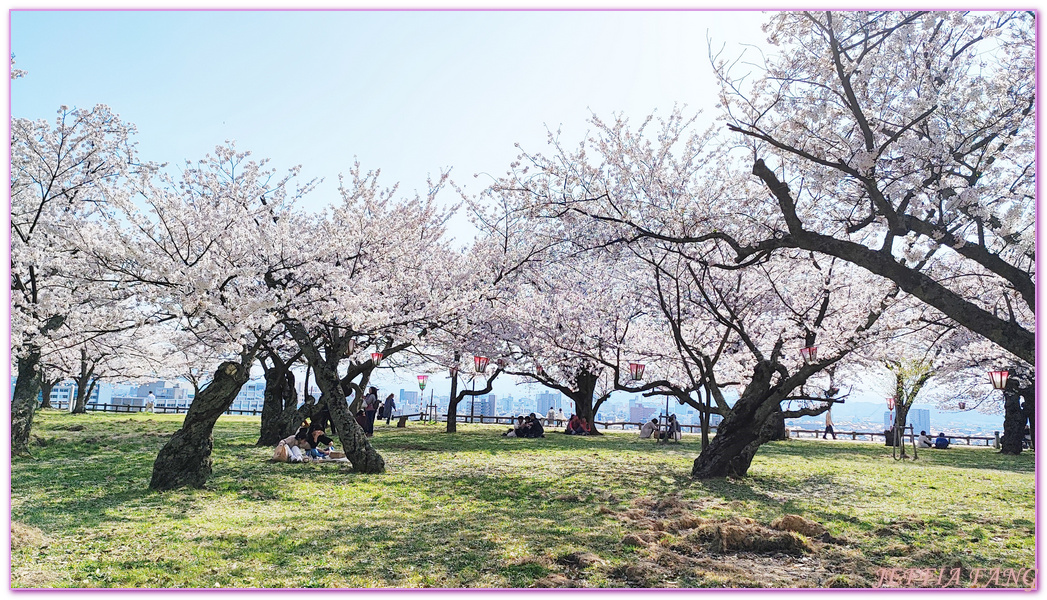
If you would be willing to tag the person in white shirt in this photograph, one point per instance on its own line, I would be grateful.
(924, 441)
(550, 418)
(649, 428)
(828, 425)
(560, 419)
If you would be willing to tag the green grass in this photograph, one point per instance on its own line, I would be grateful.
(474, 509)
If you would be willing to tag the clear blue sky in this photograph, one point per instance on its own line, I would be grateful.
(408, 92)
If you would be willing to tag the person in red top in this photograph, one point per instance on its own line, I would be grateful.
(586, 428)
(574, 426)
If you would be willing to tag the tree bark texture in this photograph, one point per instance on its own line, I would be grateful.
(47, 386)
(363, 456)
(23, 401)
(755, 419)
(1013, 420)
(185, 461)
(279, 405)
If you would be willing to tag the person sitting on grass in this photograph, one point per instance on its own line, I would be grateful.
(586, 428)
(515, 430)
(924, 441)
(533, 427)
(672, 430)
(574, 426)
(649, 428)
(941, 442)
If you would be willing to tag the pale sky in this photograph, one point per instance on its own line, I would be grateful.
(408, 92)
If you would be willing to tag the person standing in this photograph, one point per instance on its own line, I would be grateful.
(390, 405)
(370, 410)
(829, 425)
(550, 417)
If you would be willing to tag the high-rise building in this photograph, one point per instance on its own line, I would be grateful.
(919, 418)
(250, 398)
(486, 405)
(543, 401)
(408, 400)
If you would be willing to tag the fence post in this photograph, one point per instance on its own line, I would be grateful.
(996, 444)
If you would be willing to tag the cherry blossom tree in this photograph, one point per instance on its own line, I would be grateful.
(902, 142)
(198, 246)
(61, 174)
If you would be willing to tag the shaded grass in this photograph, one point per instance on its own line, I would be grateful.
(474, 509)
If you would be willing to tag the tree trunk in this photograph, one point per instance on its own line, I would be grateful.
(47, 386)
(1013, 420)
(364, 458)
(901, 417)
(753, 421)
(280, 404)
(704, 418)
(582, 395)
(452, 405)
(186, 459)
(23, 401)
(1029, 413)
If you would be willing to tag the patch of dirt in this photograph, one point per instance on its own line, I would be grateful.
(675, 544)
(26, 536)
(556, 580)
(581, 560)
(798, 524)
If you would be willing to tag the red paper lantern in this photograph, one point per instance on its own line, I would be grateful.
(809, 354)
(480, 363)
(999, 379)
(376, 357)
(636, 371)
(963, 405)
(890, 404)
(422, 380)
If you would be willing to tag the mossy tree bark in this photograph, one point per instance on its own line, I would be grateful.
(185, 461)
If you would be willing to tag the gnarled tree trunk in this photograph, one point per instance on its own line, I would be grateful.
(755, 419)
(280, 403)
(363, 456)
(185, 461)
(1014, 419)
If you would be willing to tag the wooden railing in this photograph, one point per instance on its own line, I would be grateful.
(872, 436)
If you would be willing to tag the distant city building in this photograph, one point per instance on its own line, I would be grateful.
(543, 401)
(919, 418)
(485, 405)
(638, 413)
(408, 400)
(169, 394)
(250, 398)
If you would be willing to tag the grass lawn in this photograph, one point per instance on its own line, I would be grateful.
(474, 509)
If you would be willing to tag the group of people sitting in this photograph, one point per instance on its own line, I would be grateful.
(924, 441)
(308, 443)
(526, 427)
(651, 429)
(578, 426)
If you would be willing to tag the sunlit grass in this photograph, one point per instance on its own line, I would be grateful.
(474, 509)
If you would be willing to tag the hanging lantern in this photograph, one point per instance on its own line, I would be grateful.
(963, 405)
(351, 348)
(890, 403)
(454, 371)
(809, 354)
(999, 379)
(376, 357)
(636, 371)
(422, 380)
(538, 369)
(480, 363)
